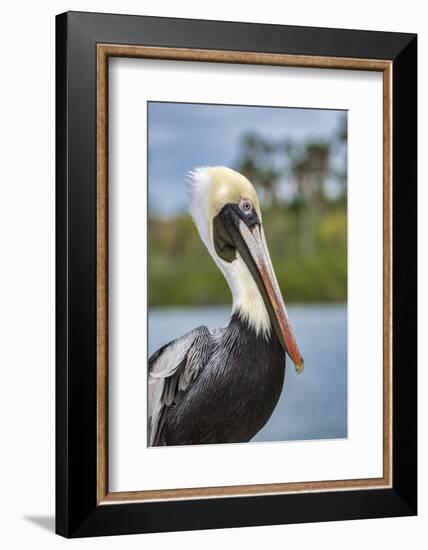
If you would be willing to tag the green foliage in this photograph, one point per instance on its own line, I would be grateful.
(181, 272)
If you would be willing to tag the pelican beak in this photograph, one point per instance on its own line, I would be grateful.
(255, 242)
(235, 232)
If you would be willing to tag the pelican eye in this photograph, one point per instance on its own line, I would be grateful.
(245, 205)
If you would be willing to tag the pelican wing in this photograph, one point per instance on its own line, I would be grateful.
(172, 370)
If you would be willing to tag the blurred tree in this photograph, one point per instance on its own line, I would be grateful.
(340, 146)
(257, 162)
(309, 166)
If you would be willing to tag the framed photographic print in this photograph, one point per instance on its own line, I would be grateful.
(236, 274)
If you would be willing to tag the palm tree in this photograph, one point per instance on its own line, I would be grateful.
(340, 143)
(258, 163)
(309, 167)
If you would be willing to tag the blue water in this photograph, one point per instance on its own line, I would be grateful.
(313, 405)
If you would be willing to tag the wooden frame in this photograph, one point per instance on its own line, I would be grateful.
(84, 504)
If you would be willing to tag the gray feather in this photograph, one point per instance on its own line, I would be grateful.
(172, 369)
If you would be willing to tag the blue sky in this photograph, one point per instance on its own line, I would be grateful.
(183, 136)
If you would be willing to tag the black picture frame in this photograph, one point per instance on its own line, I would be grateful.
(77, 511)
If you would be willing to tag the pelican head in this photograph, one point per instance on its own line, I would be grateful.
(226, 211)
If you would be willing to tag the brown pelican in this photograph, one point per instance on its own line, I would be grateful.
(221, 385)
